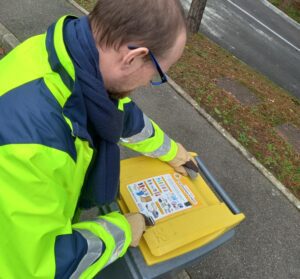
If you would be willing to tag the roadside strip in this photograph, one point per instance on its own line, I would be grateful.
(295, 201)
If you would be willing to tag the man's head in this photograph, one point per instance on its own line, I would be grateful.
(126, 30)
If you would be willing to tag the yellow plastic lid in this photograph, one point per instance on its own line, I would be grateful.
(187, 213)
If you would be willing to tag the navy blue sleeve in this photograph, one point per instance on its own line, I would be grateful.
(69, 251)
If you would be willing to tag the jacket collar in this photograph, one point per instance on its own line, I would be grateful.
(61, 63)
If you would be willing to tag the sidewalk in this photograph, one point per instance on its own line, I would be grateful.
(266, 245)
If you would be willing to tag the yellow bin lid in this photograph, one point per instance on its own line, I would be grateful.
(187, 213)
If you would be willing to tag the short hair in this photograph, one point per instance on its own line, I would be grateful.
(154, 24)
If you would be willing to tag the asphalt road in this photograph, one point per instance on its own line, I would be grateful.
(257, 35)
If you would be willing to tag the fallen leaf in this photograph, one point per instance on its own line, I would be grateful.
(2, 51)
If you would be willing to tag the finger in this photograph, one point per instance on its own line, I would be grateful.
(135, 243)
(181, 170)
(182, 154)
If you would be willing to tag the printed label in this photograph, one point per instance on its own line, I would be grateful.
(161, 196)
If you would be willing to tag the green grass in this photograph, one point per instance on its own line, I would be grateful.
(252, 125)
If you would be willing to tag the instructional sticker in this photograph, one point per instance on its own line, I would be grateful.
(161, 196)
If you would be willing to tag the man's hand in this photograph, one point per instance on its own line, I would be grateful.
(138, 226)
(181, 158)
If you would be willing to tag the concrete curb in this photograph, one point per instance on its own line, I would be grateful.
(237, 145)
(76, 5)
(7, 39)
(281, 13)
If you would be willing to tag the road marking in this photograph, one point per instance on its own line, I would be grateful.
(268, 28)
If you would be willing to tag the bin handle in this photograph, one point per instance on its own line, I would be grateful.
(217, 187)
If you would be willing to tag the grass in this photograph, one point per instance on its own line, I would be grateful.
(202, 64)
(291, 8)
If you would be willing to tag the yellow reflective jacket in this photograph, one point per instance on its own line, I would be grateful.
(43, 165)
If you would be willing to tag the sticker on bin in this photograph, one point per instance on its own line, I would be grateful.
(161, 196)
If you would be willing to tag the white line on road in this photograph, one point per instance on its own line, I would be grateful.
(268, 28)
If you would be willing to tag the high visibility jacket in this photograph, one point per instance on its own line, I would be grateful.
(43, 164)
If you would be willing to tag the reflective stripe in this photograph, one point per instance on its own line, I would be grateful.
(117, 234)
(171, 154)
(122, 102)
(162, 150)
(148, 145)
(93, 253)
(147, 132)
(60, 47)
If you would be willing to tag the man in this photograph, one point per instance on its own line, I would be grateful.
(63, 110)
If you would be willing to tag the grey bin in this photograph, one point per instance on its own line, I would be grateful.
(133, 266)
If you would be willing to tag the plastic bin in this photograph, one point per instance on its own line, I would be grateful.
(192, 218)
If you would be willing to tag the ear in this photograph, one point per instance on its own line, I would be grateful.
(134, 59)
